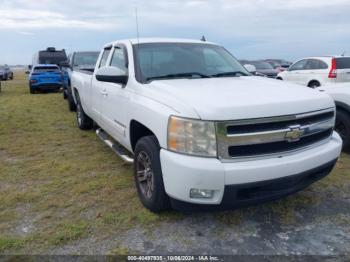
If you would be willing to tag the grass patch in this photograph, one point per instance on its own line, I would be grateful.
(69, 232)
(9, 243)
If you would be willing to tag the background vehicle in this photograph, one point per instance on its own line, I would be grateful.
(317, 71)
(80, 61)
(341, 94)
(262, 67)
(45, 77)
(200, 129)
(279, 64)
(5, 72)
(49, 56)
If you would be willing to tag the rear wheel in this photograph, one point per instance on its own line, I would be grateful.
(314, 84)
(342, 126)
(83, 120)
(64, 94)
(148, 175)
(71, 104)
(11, 77)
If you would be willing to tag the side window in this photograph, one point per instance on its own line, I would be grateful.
(119, 61)
(104, 57)
(316, 64)
(301, 65)
(322, 65)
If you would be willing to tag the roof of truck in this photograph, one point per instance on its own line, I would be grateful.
(158, 40)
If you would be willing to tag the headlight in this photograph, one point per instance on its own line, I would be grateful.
(193, 137)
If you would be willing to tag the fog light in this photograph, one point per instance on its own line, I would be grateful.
(201, 193)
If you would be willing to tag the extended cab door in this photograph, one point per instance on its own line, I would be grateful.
(115, 99)
(98, 89)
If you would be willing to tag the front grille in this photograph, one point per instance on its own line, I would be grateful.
(276, 135)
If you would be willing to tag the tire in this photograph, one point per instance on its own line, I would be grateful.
(83, 120)
(64, 94)
(148, 175)
(342, 126)
(314, 84)
(71, 104)
(31, 90)
(11, 76)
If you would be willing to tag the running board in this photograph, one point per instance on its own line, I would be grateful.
(118, 149)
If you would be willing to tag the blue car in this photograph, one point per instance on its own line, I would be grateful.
(45, 77)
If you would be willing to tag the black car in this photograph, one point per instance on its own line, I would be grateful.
(279, 64)
(5, 72)
(262, 68)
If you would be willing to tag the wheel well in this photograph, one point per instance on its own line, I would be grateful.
(137, 131)
(343, 108)
(75, 92)
(279, 78)
(313, 81)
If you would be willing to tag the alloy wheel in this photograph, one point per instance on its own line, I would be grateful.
(145, 176)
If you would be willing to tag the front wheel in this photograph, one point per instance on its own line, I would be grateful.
(148, 175)
(83, 120)
(342, 126)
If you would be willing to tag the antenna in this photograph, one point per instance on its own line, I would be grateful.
(137, 25)
(343, 54)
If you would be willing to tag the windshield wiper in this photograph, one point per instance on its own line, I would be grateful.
(227, 74)
(179, 75)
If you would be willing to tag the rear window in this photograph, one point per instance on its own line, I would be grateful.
(343, 62)
(85, 59)
(47, 57)
(46, 69)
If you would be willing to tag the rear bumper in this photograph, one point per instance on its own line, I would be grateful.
(45, 86)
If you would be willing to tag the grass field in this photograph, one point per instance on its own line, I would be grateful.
(60, 185)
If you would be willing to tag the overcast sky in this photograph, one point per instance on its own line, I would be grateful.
(250, 29)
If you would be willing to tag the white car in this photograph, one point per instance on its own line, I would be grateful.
(199, 129)
(317, 71)
(341, 96)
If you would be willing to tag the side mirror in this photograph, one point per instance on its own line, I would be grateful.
(250, 68)
(112, 75)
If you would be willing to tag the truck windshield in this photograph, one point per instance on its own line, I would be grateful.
(184, 60)
(86, 59)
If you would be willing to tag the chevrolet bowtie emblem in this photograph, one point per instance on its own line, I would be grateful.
(294, 134)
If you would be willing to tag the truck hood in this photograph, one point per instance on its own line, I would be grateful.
(234, 98)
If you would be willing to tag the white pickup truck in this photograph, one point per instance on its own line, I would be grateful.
(199, 129)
